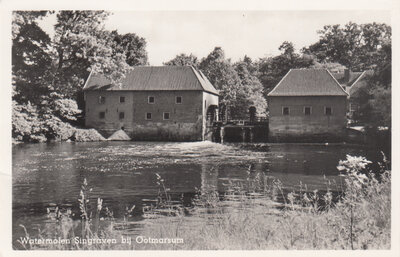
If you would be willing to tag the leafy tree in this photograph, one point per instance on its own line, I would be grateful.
(48, 74)
(132, 46)
(375, 100)
(380, 113)
(239, 88)
(31, 59)
(375, 97)
(26, 124)
(184, 60)
(354, 46)
(332, 67)
(66, 109)
(287, 49)
(21, 18)
(251, 66)
(223, 76)
(252, 90)
(272, 69)
(82, 45)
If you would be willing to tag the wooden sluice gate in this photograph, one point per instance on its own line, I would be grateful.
(245, 132)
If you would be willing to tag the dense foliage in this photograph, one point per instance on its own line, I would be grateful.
(272, 69)
(362, 47)
(357, 46)
(237, 82)
(49, 73)
(375, 98)
(184, 60)
(132, 46)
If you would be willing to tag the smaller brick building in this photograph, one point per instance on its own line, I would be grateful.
(307, 105)
(153, 103)
(356, 85)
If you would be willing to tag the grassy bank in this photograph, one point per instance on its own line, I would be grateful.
(358, 219)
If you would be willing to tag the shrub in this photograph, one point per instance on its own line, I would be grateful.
(66, 109)
(26, 124)
(31, 124)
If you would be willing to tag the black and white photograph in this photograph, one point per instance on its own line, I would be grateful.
(212, 129)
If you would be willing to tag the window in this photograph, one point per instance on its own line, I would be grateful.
(148, 115)
(178, 100)
(166, 116)
(102, 115)
(307, 110)
(150, 100)
(285, 110)
(328, 111)
(353, 107)
(122, 99)
(121, 115)
(102, 99)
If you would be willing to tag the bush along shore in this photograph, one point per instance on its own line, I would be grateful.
(33, 124)
(261, 215)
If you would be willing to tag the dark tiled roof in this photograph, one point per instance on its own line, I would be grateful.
(151, 78)
(308, 82)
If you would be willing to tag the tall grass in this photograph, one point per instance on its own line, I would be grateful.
(248, 216)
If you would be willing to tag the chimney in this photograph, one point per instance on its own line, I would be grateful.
(346, 75)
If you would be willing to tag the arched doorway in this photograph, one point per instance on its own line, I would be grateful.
(212, 115)
(252, 114)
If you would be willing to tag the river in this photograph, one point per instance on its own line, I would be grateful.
(124, 173)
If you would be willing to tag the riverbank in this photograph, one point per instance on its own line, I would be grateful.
(33, 124)
(71, 134)
(303, 219)
(360, 219)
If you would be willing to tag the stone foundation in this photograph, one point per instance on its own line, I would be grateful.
(338, 137)
(158, 131)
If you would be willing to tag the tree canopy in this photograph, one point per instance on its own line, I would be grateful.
(31, 59)
(184, 60)
(83, 45)
(272, 69)
(237, 83)
(132, 46)
(49, 73)
(356, 46)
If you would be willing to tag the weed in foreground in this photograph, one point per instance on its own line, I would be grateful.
(359, 219)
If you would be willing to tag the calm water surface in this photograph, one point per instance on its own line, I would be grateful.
(123, 173)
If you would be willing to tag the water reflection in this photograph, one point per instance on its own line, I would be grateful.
(124, 173)
(209, 178)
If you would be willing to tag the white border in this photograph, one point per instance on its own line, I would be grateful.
(5, 76)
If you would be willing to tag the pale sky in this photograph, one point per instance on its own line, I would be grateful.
(253, 33)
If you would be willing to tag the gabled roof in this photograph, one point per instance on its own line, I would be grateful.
(308, 82)
(154, 78)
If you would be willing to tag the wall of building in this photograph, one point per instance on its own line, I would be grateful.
(208, 100)
(185, 122)
(297, 124)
